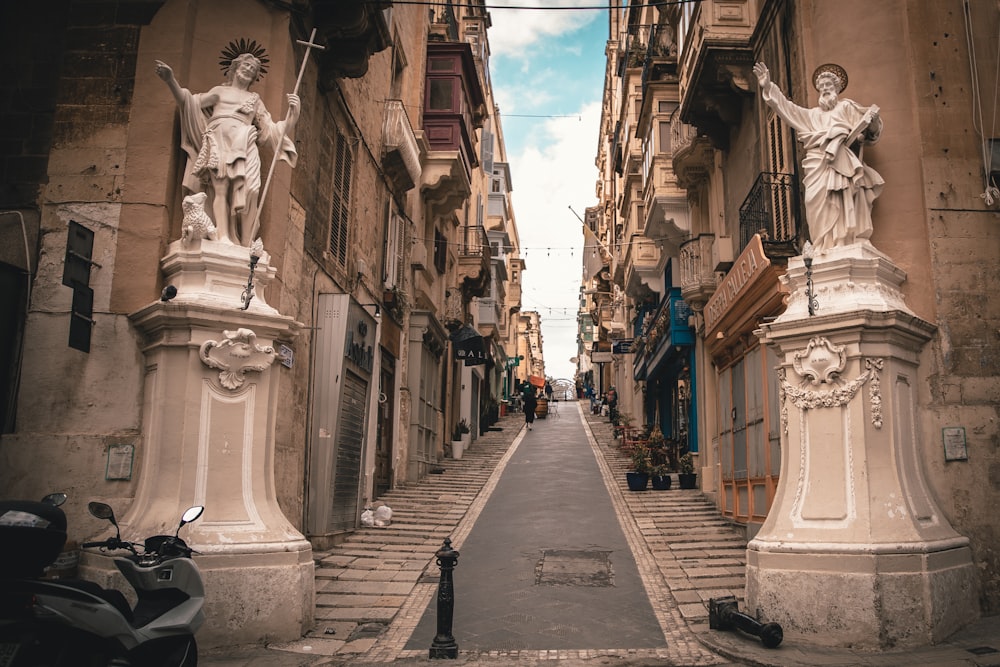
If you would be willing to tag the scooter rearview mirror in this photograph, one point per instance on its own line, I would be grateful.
(102, 511)
(190, 515)
(54, 499)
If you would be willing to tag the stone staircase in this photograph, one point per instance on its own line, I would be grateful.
(700, 553)
(362, 583)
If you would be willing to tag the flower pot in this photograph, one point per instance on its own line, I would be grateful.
(457, 449)
(688, 480)
(637, 481)
(660, 482)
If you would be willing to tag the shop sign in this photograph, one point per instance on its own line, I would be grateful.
(601, 357)
(359, 346)
(747, 269)
(623, 346)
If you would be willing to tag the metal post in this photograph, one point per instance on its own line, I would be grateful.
(724, 614)
(444, 645)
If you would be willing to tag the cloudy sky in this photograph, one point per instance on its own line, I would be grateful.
(547, 69)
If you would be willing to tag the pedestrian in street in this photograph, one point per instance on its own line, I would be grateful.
(548, 391)
(530, 403)
(613, 405)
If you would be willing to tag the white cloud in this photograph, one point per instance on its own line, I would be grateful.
(517, 33)
(550, 175)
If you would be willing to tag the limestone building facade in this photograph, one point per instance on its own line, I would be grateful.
(392, 235)
(701, 207)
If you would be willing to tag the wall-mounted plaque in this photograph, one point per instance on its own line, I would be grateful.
(955, 447)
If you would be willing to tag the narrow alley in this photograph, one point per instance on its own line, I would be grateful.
(560, 564)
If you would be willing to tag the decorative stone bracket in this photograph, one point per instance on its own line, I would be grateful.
(236, 355)
(821, 362)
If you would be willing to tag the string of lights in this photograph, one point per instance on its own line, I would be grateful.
(591, 247)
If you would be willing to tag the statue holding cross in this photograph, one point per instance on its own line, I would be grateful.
(221, 131)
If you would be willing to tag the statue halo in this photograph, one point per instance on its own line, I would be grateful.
(831, 68)
(237, 48)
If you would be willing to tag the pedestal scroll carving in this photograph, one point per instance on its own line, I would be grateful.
(821, 362)
(236, 355)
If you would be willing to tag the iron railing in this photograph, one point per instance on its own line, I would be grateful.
(474, 241)
(769, 209)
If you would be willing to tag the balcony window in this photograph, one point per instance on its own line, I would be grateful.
(440, 252)
(441, 95)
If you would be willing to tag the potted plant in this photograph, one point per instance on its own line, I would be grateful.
(638, 478)
(660, 464)
(659, 476)
(687, 477)
(458, 438)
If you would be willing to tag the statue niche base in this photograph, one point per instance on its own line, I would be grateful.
(855, 551)
(210, 400)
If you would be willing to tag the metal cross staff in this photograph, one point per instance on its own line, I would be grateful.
(310, 45)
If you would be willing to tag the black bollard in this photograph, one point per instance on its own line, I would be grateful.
(724, 614)
(444, 645)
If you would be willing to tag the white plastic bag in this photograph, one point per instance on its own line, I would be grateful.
(368, 518)
(383, 516)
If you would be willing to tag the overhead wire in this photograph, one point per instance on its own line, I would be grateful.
(491, 6)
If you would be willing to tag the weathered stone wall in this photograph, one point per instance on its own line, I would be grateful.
(963, 383)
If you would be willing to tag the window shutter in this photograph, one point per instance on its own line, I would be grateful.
(341, 196)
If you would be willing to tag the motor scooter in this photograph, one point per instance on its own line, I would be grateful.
(56, 623)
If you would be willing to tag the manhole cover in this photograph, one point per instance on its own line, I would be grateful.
(366, 631)
(564, 567)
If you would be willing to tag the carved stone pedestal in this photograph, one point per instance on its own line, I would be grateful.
(855, 551)
(210, 399)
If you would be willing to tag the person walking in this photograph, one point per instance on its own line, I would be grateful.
(530, 403)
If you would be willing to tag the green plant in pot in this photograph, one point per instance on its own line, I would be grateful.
(461, 428)
(659, 476)
(687, 477)
(660, 463)
(638, 477)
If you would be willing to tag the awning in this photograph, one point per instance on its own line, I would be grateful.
(536, 380)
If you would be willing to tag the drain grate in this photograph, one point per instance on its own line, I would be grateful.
(366, 631)
(567, 567)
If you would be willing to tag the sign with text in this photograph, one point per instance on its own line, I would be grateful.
(748, 267)
(623, 346)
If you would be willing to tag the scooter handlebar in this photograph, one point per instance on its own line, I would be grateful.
(110, 543)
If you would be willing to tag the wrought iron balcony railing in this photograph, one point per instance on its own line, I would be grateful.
(768, 209)
(474, 241)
